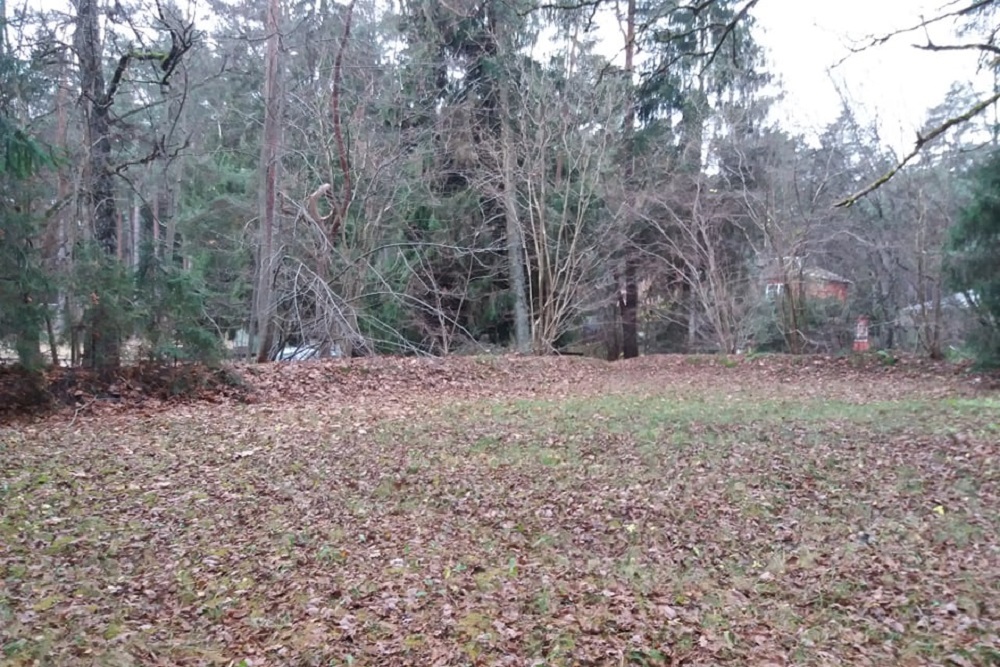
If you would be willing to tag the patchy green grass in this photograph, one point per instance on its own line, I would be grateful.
(676, 519)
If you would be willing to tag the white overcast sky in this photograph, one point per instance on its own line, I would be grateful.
(894, 82)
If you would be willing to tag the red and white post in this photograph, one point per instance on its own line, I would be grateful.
(861, 335)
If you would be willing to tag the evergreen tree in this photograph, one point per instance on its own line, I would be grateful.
(23, 282)
(974, 260)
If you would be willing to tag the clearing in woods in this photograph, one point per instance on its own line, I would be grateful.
(505, 511)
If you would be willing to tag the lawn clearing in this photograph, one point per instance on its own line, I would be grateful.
(514, 512)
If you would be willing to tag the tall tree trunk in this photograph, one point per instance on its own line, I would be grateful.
(98, 191)
(936, 350)
(346, 326)
(692, 323)
(264, 303)
(136, 232)
(515, 232)
(59, 255)
(628, 302)
(612, 331)
(157, 208)
(173, 178)
(172, 181)
(119, 235)
(629, 306)
(97, 108)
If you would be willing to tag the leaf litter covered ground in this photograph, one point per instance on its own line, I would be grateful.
(506, 511)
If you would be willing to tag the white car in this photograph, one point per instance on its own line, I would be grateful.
(305, 352)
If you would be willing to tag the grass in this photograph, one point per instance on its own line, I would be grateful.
(742, 523)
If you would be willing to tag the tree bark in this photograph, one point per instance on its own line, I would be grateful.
(515, 232)
(157, 208)
(630, 309)
(264, 302)
(97, 108)
(612, 333)
(99, 191)
(172, 192)
(346, 322)
(59, 253)
(136, 233)
(629, 301)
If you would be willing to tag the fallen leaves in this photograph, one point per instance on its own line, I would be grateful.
(512, 511)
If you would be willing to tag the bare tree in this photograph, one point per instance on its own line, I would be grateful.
(700, 235)
(346, 247)
(550, 166)
(264, 302)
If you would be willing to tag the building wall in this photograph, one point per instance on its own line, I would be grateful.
(827, 290)
(818, 290)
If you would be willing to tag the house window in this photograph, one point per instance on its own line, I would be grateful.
(774, 290)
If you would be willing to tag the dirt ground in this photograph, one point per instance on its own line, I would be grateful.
(511, 511)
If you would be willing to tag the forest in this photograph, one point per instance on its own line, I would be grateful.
(306, 178)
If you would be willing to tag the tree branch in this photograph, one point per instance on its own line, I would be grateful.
(120, 70)
(930, 46)
(569, 6)
(922, 141)
(921, 25)
(182, 37)
(730, 27)
(312, 207)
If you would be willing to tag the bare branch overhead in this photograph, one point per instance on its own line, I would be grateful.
(986, 48)
(968, 10)
(922, 141)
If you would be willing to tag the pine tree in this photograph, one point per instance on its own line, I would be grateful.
(23, 282)
(974, 261)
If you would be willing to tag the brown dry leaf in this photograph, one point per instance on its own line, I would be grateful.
(512, 510)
